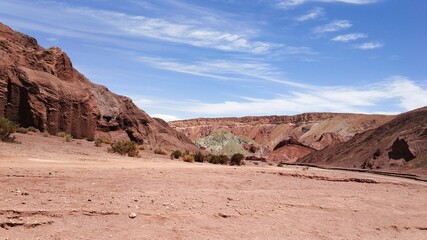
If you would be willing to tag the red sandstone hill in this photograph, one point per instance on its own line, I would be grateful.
(284, 138)
(39, 87)
(399, 144)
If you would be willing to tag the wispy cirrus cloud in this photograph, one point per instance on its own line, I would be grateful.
(334, 26)
(289, 4)
(189, 34)
(314, 13)
(224, 70)
(369, 45)
(349, 37)
(93, 24)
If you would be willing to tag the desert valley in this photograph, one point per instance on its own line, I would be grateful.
(78, 161)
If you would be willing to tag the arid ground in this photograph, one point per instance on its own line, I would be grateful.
(52, 189)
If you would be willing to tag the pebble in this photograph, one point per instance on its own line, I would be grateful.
(132, 215)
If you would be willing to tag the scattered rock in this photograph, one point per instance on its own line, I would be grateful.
(224, 215)
(132, 215)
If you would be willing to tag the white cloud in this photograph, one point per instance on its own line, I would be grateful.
(312, 14)
(349, 37)
(400, 93)
(288, 4)
(369, 46)
(166, 117)
(411, 95)
(349, 1)
(334, 26)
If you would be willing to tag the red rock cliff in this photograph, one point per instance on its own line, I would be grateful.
(39, 87)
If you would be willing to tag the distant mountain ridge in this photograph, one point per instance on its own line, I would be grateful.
(40, 88)
(309, 132)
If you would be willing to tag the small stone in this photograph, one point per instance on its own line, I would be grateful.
(132, 215)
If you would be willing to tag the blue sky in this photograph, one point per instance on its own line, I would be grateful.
(180, 59)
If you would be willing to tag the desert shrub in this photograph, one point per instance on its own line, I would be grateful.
(188, 158)
(305, 168)
(7, 127)
(159, 151)
(176, 154)
(22, 130)
(199, 157)
(45, 134)
(219, 159)
(61, 134)
(129, 148)
(98, 142)
(141, 147)
(237, 159)
(32, 129)
(68, 137)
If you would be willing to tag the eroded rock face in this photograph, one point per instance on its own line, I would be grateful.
(398, 144)
(39, 87)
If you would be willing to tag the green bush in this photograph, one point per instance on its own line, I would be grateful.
(176, 154)
(199, 157)
(32, 129)
(61, 134)
(7, 127)
(237, 159)
(98, 142)
(219, 159)
(129, 148)
(22, 130)
(159, 151)
(188, 158)
(68, 137)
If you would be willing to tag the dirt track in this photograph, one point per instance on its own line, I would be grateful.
(51, 189)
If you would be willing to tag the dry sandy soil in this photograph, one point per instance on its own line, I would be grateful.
(51, 189)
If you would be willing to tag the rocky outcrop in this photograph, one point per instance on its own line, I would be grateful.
(39, 87)
(312, 131)
(289, 151)
(398, 144)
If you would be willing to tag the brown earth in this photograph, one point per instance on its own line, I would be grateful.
(312, 131)
(79, 191)
(400, 144)
(40, 88)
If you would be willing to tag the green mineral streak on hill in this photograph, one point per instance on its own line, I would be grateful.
(224, 142)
